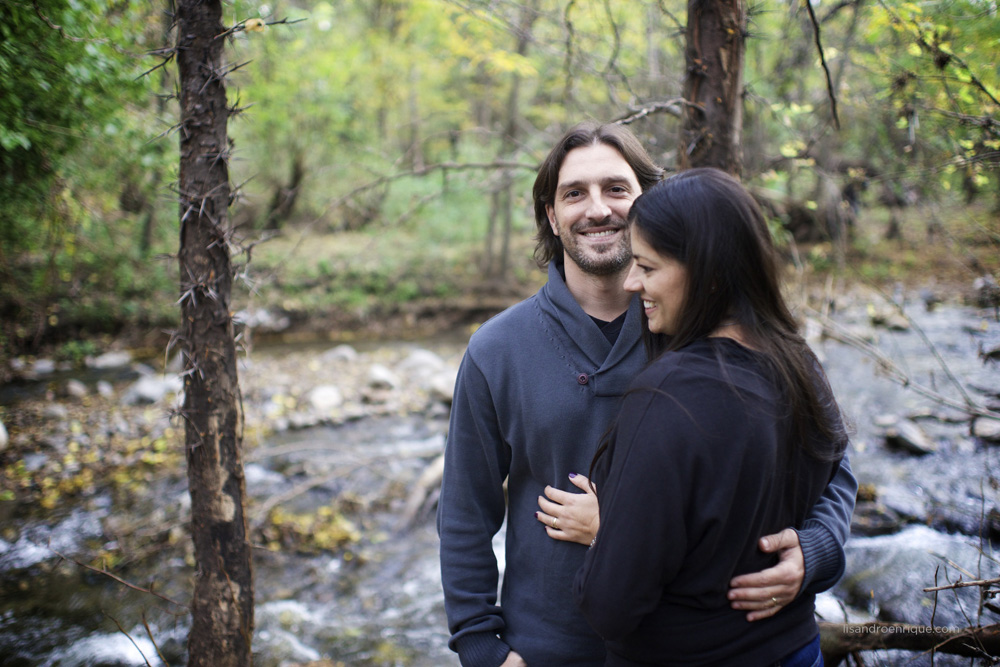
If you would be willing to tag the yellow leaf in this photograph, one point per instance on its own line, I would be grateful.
(254, 25)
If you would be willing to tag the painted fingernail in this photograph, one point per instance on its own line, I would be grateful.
(572, 475)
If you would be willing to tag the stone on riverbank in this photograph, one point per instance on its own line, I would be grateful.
(907, 435)
(152, 389)
(324, 398)
(116, 359)
(987, 429)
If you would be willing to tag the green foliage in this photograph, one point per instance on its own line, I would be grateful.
(67, 89)
(360, 105)
(76, 351)
(59, 78)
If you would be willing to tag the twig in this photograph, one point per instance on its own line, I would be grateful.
(122, 630)
(963, 584)
(149, 633)
(242, 26)
(70, 38)
(119, 579)
(672, 107)
(260, 513)
(822, 59)
(933, 48)
(928, 343)
(837, 332)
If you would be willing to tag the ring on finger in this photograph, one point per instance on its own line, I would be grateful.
(775, 602)
(555, 521)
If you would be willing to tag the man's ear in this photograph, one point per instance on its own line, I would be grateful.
(551, 213)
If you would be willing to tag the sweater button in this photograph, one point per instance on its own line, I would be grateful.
(582, 378)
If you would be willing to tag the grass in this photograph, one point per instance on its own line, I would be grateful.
(424, 267)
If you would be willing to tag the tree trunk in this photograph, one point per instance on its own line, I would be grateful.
(285, 196)
(222, 604)
(503, 197)
(838, 640)
(713, 119)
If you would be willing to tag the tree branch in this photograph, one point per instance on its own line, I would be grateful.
(894, 373)
(938, 51)
(672, 107)
(826, 70)
(841, 639)
(119, 579)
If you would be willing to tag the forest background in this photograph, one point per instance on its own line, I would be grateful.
(381, 156)
(384, 153)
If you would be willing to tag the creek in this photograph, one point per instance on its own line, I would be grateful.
(375, 599)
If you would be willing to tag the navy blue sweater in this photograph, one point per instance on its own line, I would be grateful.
(698, 470)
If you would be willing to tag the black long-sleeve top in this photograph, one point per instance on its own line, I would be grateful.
(687, 488)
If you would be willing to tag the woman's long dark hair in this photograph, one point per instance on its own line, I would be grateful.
(706, 219)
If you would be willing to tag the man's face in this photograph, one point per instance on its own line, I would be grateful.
(595, 191)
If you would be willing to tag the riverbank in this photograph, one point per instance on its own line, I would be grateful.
(340, 443)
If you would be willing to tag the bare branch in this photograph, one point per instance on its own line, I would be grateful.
(948, 56)
(119, 580)
(242, 26)
(672, 107)
(431, 168)
(826, 70)
(149, 633)
(894, 373)
(963, 584)
(840, 639)
(122, 630)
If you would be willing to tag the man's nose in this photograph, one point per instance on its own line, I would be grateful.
(598, 209)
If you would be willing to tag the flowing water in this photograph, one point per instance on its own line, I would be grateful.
(378, 601)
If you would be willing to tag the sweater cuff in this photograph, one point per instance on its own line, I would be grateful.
(823, 558)
(481, 649)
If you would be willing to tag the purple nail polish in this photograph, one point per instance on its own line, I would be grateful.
(572, 475)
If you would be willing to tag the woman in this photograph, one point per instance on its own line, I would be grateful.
(729, 434)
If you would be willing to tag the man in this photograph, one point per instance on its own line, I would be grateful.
(537, 388)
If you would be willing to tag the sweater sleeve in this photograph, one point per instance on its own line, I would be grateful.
(624, 572)
(825, 531)
(470, 512)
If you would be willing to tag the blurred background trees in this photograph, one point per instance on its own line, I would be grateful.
(390, 145)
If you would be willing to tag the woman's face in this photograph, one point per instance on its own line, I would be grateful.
(661, 283)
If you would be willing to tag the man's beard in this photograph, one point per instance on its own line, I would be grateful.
(601, 260)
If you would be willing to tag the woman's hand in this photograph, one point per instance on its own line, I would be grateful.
(570, 517)
(514, 660)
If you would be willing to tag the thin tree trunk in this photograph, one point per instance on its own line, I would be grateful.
(713, 121)
(503, 198)
(149, 219)
(222, 604)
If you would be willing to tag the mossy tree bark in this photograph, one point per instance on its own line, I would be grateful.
(222, 606)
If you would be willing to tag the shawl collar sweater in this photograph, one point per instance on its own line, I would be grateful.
(536, 389)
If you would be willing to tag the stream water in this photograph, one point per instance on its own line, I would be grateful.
(378, 602)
